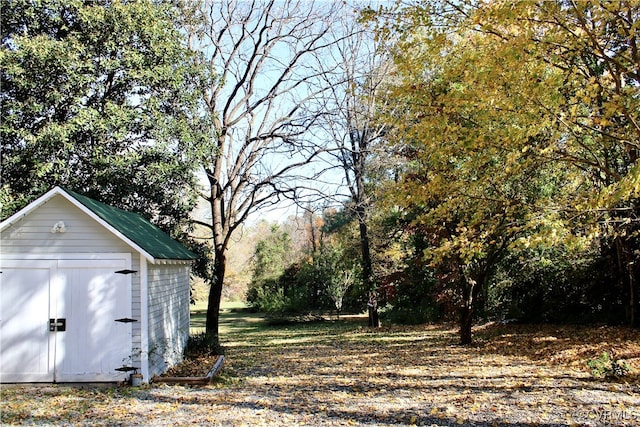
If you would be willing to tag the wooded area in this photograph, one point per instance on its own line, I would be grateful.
(511, 182)
(454, 159)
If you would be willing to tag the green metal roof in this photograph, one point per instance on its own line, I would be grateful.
(136, 228)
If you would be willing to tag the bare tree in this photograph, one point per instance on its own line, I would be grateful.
(358, 71)
(260, 104)
(338, 286)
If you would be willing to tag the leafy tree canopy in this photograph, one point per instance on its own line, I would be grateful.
(97, 96)
(520, 128)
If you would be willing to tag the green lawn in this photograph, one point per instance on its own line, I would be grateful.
(228, 312)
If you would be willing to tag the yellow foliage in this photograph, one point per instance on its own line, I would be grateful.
(521, 119)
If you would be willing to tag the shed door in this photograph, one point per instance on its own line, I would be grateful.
(91, 296)
(25, 341)
(86, 296)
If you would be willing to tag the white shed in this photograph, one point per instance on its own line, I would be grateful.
(89, 293)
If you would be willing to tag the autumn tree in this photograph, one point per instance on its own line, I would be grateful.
(591, 49)
(470, 184)
(98, 97)
(594, 47)
(261, 109)
(498, 92)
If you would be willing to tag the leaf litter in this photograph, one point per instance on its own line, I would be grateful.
(341, 373)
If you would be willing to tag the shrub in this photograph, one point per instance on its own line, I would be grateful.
(272, 302)
(202, 345)
(607, 366)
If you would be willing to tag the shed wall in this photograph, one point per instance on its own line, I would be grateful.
(168, 315)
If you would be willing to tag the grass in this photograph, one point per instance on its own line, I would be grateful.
(233, 311)
(343, 373)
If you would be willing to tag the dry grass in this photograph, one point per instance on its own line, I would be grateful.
(563, 345)
(342, 373)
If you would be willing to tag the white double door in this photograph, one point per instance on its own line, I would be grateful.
(58, 320)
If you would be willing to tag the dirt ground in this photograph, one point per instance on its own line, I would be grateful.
(332, 374)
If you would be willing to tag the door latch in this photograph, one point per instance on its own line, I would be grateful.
(57, 325)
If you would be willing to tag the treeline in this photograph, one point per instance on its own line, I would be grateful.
(511, 189)
(542, 284)
(319, 272)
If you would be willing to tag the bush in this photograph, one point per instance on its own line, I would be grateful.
(607, 366)
(307, 286)
(557, 287)
(272, 302)
(413, 300)
(202, 345)
(416, 315)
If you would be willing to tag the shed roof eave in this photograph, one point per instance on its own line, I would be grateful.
(152, 241)
(108, 226)
(22, 213)
(158, 261)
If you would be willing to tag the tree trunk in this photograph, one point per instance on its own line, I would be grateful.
(470, 292)
(633, 297)
(627, 264)
(630, 266)
(367, 269)
(215, 294)
(466, 314)
(372, 305)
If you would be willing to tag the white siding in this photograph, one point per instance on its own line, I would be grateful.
(168, 315)
(32, 236)
(83, 234)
